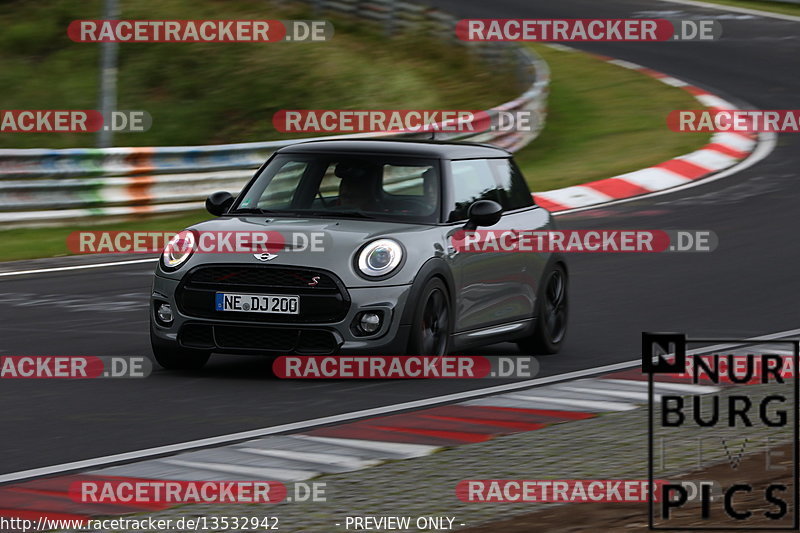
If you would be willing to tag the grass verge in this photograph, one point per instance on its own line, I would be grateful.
(602, 120)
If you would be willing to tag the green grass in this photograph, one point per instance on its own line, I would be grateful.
(209, 93)
(763, 5)
(30, 243)
(602, 120)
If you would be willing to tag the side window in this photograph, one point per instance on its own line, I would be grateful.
(472, 181)
(516, 192)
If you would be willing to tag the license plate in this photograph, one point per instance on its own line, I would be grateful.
(258, 303)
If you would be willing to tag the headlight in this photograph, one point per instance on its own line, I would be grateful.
(178, 250)
(380, 257)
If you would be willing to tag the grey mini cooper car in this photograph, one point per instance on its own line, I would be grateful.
(382, 277)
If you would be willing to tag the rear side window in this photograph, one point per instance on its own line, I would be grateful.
(472, 181)
(515, 190)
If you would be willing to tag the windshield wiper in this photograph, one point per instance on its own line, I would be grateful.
(253, 211)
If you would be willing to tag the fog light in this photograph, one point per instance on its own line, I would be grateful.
(164, 313)
(370, 322)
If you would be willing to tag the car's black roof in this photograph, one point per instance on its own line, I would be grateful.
(437, 149)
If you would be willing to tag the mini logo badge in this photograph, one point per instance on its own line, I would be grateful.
(266, 256)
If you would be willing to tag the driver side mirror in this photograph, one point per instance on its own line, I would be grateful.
(218, 203)
(483, 213)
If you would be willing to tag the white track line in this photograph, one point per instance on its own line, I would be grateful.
(747, 10)
(400, 449)
(627, 395)
(255, 472)
(108, 460)
(329, 459)
(77, 267)
(594, 405)
(678, 387)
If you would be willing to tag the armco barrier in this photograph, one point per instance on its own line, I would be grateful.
(54, 187)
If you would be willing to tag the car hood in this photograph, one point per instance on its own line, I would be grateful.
(326, 243)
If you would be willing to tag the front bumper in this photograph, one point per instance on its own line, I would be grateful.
(247, 336)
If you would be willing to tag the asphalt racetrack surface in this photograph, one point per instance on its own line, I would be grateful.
(747, 287)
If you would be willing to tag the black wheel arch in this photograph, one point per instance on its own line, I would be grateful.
(433, 267)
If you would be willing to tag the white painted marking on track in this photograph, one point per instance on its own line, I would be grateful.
(77, 267)
(313, 457)
(596, 405)
(255, 472)
(344, 417)
(628, 395)
(625, 64)
(732, 140)
(734, 9)
(654, 178)
(678, 387)
(394, 448)
(710, 100)
(710, 159)
(675, 82)
(577, 195)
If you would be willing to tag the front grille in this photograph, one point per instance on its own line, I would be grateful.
(258, 339)
(323, 298)
(261, 276)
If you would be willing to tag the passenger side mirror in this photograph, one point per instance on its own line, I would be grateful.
(218, 203)
(483, 213)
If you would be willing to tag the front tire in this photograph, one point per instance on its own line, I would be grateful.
(551, 314)
(179, 358)
(432, 325)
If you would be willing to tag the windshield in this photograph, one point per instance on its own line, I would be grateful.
(358, 186)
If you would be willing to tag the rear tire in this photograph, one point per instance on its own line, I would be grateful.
(551, 314)
(432, 325)
(179, 358)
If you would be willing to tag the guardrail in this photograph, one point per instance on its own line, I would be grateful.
(54, 187)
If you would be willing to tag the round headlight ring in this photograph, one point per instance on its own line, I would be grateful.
(179, 249)
(379, 258)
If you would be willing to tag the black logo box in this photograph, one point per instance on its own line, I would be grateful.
(665, 353)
